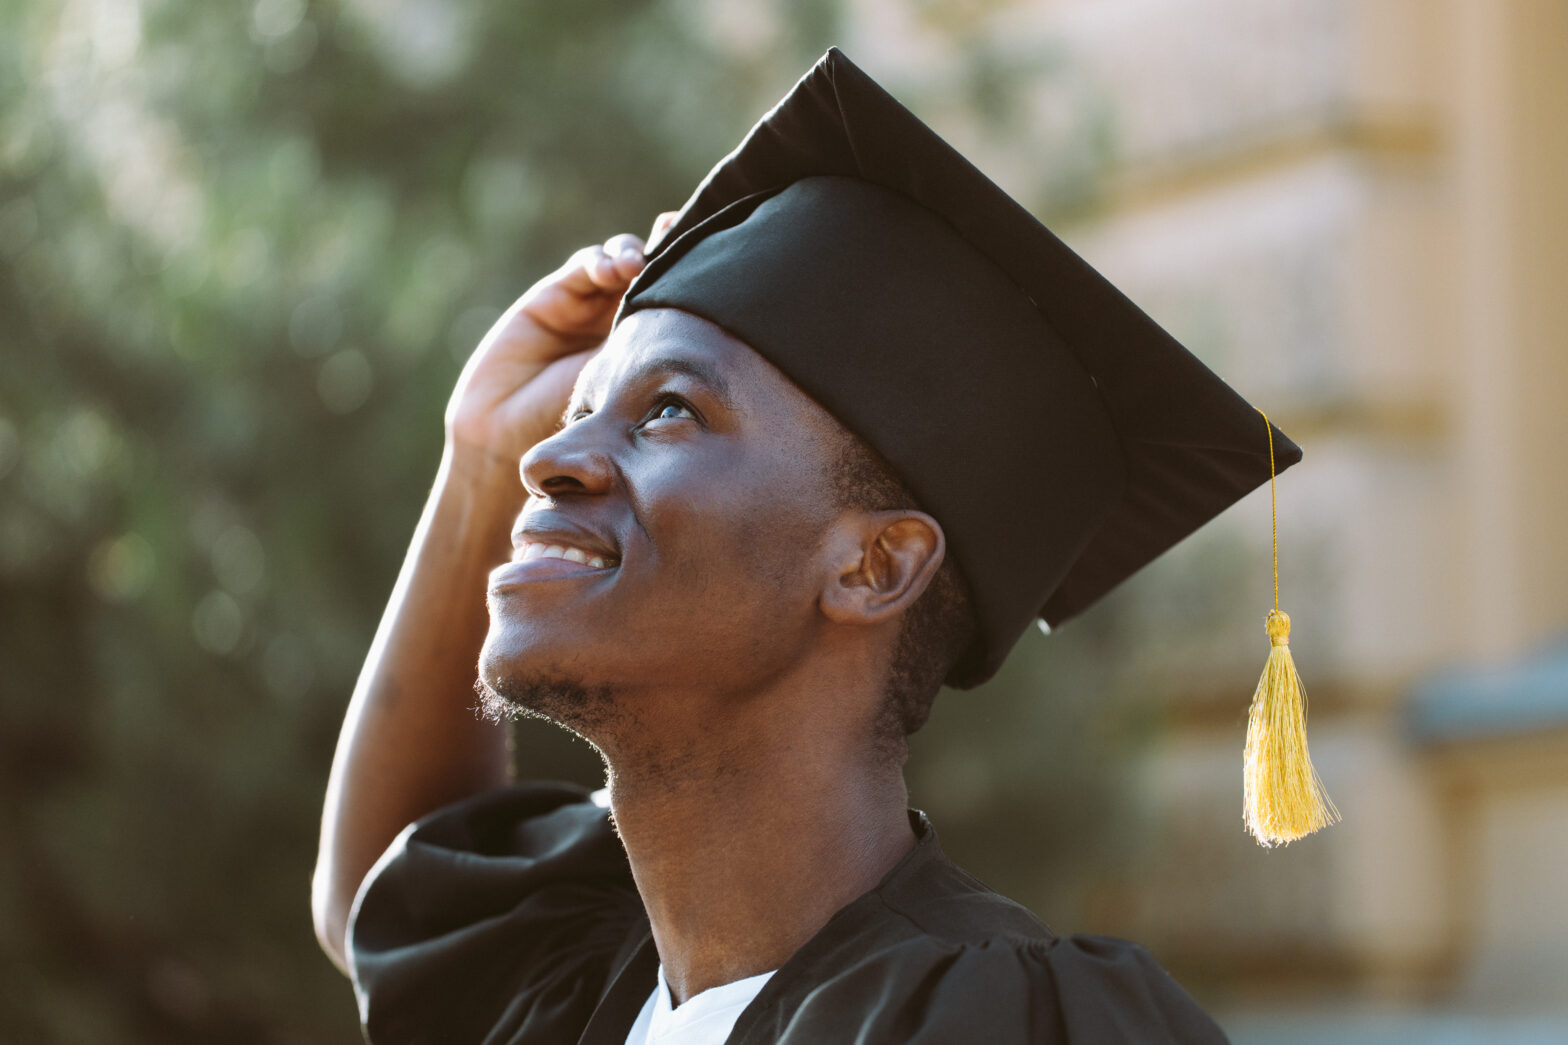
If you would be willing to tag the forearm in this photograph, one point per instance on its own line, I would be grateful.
(410, 741)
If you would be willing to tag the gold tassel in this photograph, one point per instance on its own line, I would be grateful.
(1284, 798)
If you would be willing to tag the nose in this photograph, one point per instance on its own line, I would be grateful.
(572, 460)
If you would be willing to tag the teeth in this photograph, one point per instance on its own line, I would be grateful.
(535, 550)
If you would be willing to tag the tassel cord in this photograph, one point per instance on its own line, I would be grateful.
(1284, 796)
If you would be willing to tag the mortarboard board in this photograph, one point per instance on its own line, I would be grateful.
(1061, 438)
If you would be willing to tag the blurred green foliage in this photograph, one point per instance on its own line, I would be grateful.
(243, 251)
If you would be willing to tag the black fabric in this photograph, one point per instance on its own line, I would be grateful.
(509, 918)
(971, 448)
(1062, 439)
(498, 920)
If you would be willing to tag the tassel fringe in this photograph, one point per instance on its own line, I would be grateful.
(1284, 799)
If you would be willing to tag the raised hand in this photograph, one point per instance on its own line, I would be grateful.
(516, 384)
(411, 742)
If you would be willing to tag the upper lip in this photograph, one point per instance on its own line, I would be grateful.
(566, 534)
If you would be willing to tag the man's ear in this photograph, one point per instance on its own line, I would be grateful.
(883, 563)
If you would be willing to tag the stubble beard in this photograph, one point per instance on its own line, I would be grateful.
(567, 702)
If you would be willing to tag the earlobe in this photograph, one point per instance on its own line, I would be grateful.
(885, 560)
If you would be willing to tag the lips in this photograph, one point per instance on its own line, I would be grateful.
(551, 549)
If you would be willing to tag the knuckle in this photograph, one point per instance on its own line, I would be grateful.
(617, 243)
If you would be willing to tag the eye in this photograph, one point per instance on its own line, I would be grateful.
(672, 409)
(575, 415)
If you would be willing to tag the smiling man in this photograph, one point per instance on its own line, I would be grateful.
(857, 422)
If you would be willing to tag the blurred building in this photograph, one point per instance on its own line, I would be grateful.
(223, 269)
(1358, 213)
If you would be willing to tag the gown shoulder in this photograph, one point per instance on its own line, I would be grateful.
(497, 919)
(1004, 991)
(503, 919)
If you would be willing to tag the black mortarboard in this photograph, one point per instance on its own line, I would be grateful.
(1061, 438)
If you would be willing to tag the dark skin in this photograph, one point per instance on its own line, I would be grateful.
(726, 633)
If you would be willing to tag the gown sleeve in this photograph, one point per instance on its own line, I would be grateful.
(496, 920)
(1083, 990)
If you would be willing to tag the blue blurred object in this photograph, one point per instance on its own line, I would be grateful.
(1461, 704)
(1396, 1028)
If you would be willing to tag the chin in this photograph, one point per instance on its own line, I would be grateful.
(516, 649)
(516, 684)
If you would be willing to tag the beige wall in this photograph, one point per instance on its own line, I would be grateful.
(1358, 213)
(1510, 161)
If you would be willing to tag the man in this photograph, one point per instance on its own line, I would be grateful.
(858, 421)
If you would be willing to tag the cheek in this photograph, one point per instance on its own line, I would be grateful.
(746, 544)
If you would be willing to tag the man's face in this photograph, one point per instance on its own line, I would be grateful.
(689, 493)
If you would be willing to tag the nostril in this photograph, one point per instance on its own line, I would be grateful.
(562, 484)
(567, 463)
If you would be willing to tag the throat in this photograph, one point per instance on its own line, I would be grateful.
(740, 862)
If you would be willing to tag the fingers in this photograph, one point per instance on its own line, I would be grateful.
(662, 223)
(591, 277)
(612, 265)
(619, 261)
(617, 245)
(605, 268)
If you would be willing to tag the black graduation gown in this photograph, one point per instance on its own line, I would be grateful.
(511, 919)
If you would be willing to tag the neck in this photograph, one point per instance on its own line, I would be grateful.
(749, 833)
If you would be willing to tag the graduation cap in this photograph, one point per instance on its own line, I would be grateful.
(1061, 438)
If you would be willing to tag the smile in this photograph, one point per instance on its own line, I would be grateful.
(531, 550)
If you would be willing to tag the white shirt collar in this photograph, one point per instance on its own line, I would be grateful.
(705, 1019)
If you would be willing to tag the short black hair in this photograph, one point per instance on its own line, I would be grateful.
(937, 628)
